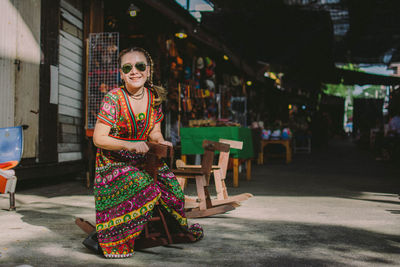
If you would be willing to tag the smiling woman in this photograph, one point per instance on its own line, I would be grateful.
(125, 193)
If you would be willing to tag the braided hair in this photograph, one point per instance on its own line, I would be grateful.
(159, 92)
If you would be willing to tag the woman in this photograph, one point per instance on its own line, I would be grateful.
(124, 193)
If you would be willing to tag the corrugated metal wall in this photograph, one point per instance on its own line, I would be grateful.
(8, 51)
(27, 73)
(19, 73)
(70, 99)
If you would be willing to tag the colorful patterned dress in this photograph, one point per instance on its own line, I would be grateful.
(124, 193)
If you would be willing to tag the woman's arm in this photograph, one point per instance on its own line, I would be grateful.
(102, 140)
(156, 135)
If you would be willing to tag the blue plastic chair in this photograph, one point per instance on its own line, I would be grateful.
(11, 149)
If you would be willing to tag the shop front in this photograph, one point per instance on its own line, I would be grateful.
(202, 87)
(79, 45)
(205, 88)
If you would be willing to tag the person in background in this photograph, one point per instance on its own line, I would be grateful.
(388, 147)
(125, 194)
(394, 126)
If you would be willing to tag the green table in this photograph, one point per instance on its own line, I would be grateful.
(192, 140)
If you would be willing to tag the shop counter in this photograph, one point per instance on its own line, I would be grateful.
(192, 140)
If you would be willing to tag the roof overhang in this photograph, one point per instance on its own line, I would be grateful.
(350, 77)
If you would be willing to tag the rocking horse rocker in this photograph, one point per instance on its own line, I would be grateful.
(204, 206)
(157, 231)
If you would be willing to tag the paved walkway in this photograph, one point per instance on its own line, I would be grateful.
(336, 207)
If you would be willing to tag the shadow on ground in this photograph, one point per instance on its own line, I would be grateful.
(228, 241)
(341, 171)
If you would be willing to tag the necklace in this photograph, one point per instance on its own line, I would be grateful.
(137, 96)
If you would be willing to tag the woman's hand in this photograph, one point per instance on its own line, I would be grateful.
(167, 143)
(138, 147)
(156, 136)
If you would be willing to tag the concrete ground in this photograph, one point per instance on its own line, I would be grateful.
(336, 207)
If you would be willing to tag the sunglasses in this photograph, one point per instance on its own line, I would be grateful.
(140, 66)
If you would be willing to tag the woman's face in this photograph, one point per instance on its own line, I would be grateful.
(137, 71)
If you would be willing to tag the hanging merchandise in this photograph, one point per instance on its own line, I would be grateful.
(200, 63)
(235, 81)
(174, 70)
(189, 101)
(171, 48)
(187, 74)
(198, 90)
(179, 61)
(210, 84)
(111, 23)
(208, 62)
(197, 77)
(209, 73)
(210, 65)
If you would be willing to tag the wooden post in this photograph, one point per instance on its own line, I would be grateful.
(235, 172)
(261, 153)
(48, 115)
(248, 169)
(288, 152)
(183, 158)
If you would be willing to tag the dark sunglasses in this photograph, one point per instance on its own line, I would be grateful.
(140, 66)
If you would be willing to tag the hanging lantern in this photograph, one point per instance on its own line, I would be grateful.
(181, 34)
(133, 10)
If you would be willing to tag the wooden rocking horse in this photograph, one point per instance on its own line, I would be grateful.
(203, 206)
(156, 232)
(219, 171)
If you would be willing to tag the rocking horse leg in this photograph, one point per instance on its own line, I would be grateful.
(218, 184)
(149, 242)
(182, 182)
(86, 226)
(164, 223)
(152, 237)
(200, 184)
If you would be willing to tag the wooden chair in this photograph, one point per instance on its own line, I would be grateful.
(156, 232)
(219, 171)
(203, 206)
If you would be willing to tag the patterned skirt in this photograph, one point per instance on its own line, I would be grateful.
(125, 197)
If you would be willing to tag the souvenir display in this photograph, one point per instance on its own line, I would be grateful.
(191, 84)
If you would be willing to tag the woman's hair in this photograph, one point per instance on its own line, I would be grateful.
(160, 92)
